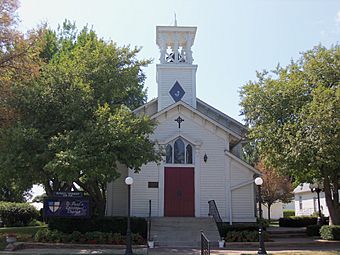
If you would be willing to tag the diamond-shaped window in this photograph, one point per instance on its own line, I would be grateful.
(177, 92)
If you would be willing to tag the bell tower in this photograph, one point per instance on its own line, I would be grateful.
(176, 73)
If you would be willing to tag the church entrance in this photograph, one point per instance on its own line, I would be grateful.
(179, 192)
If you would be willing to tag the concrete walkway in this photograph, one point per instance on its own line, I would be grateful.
(289, 247)
(164, 251)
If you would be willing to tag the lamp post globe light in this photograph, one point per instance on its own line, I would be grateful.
(262, 250)
(128, 251)
(317, 187)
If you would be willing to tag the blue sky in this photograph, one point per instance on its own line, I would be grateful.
(233, 40)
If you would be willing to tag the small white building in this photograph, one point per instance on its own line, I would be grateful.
(276, 211)
(202, 145)
(306, 201)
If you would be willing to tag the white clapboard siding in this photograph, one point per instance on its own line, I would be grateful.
(213, 179)
(116, 204)
(167, 75)
(243, 204)
(141, 194)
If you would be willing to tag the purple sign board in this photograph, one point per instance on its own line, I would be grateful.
(78, 207)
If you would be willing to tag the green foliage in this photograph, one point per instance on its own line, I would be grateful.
(17, 214)
(22, 230)
(288, 213)
(265, 222)
(313, 230)
(75, 122)
(225, 227)
(297, 221)
(12, 192)
(95, 237)
(244, 236)
(102, 224)
(250, 153)
(23, 234)
(293, 114)
(331, 232)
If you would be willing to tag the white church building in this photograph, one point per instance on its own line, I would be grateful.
(202, 145)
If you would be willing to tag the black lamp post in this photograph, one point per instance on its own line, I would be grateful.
(262, 250)
(128, 251)
(317, 187)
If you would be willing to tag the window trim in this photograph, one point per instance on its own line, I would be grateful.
(172, 145)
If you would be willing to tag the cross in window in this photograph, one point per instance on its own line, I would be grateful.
(179, 120)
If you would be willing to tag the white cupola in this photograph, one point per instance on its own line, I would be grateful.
(176, 74)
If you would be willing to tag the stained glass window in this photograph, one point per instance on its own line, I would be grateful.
(168, 153)
(179, 152)
(189, 154)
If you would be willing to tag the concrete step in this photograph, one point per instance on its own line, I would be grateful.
(287, 232)
(183, 231)
(184, 244)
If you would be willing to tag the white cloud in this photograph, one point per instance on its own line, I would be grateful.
(337, 17)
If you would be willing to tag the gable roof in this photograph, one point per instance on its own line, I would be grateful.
(221, 117)
(230, 125)
(203, 109)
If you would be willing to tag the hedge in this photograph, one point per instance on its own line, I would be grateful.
(95, 237)
(288, 213)
(301, 221)
(330, 232)
(102, 224)
(17, 214)
(244, 236)
(224, 227)
(313, 230)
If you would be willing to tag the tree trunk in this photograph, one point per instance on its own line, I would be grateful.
(269, 205)
(332, 202)
(98, 202)
(99, 207)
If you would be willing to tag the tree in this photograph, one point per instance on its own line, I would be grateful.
(293, 115)
(275, 188)
(75, 122)
(19, 61)
(19, 55)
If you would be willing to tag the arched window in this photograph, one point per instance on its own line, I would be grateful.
(168, 151)
(179, 151)
(189, 154)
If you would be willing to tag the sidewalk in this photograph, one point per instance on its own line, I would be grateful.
(161, 251)
(307, 245)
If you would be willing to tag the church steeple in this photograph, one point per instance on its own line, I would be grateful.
(176, 74)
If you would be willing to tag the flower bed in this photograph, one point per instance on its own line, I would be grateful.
(95, 237)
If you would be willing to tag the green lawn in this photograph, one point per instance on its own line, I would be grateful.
(21, 230)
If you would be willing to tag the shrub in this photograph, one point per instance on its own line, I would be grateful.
(94, 237)
(265, 222)
(102, 224)
(300, 221)
(330, 232)
(288, 213)
(244, 236)
(17, 214)
(225, 227)
(40, 236)
(313, 230)
(297, 221)
(76, 236)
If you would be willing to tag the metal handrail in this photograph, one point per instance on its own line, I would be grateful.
(205, 244)
(213, 211)
(149, 222)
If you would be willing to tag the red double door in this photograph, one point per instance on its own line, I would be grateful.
(179, 192)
